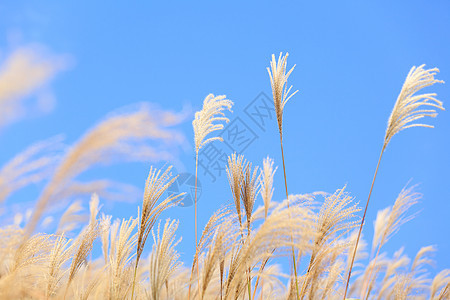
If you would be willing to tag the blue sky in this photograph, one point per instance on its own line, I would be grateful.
(351, 60)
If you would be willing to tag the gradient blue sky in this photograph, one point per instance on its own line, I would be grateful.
(351, 60)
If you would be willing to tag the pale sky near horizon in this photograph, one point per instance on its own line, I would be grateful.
(351, 60)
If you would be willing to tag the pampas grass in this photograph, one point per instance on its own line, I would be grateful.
(157, 183)
(407, 109)
(278, 81)
(238, 254)
(207, 121)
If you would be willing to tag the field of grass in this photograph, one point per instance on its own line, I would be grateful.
(238, 251)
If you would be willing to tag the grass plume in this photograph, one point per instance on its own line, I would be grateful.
(281, 94)
(407, 110)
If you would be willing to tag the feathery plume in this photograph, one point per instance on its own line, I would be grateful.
(440, 287)
(280, 92)
(388, 221)
(336, 218)
(396, 216)
(407, 108)
(406, 111)
(204, 122)
(122, 243)
(235, 176)
(421, 258)
(278, 80)
(249, 191)
(59, 255)
(157, 183)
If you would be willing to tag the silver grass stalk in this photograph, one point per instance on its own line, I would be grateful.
(157, 183)
(206, 121)
(407, 109)
(278, 80)
(210, 119)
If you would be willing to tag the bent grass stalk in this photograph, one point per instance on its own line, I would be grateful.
(156, 184)
(407, 109)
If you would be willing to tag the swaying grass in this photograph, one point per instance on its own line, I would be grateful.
(278, 81)
(407, 109)
(237, 253)
(206, 122)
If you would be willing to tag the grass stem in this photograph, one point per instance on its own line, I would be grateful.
(287, 198)
(362, 223)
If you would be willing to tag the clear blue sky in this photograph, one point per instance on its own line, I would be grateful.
(351, 60)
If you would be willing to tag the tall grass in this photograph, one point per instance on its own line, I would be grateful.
(408, 108)
(238, 252)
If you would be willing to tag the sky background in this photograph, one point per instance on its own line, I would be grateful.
(351, 60)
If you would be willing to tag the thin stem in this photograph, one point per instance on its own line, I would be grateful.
(196, 239)
(287, 198)
(249, 280)
(221, 286)
(362, 222)
(134, 279)
(249, 287)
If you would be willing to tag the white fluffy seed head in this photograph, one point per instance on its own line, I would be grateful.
(210, 119)
(278, 81)
(409, 106)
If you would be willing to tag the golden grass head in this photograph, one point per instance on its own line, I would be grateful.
(409, 105)
(278, 79)
(249, 190)
(209, 119)
(235, 176)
